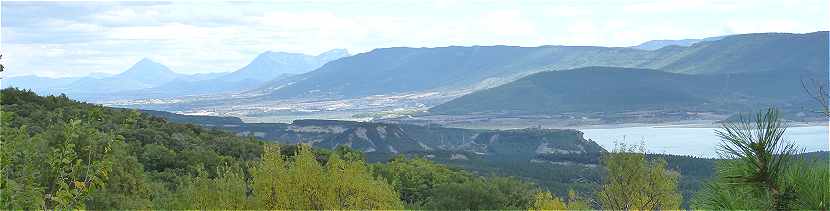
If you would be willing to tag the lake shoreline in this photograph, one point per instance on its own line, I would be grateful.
(685, 124)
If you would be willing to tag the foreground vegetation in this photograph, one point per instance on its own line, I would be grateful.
(61, 154)
(57, 153)
(763, 172)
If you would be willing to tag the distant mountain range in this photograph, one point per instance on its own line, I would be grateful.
(150, 79)
(400, 70)
(265, 67)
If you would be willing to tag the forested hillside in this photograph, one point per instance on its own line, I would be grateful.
(610, 90)
(58, 153)
(556, 160)
(760, 52)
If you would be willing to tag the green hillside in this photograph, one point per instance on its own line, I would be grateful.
(752, 53)
(143, 158)
(610, 90)
(586, 89)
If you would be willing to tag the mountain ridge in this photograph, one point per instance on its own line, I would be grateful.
(614, 89)
(400, 70)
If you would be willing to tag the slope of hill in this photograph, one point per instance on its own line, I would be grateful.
(753, 53)
(608, 89)
(397, 70)
(193, 119)
(585, 89)
(38, 84)
(182, 87)
(658, 44)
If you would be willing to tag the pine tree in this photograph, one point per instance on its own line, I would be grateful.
(761, 171)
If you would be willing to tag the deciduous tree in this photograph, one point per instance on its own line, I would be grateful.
(635, 183)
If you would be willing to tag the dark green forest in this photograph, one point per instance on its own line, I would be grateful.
(58, 153)
(616, 90)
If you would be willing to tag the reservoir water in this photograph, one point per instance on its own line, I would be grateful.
(701, 142)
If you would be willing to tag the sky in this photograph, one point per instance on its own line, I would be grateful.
(65, 39)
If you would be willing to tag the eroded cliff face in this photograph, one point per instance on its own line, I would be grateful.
(395, 138)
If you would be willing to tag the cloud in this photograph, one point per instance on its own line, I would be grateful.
(567, 11)
(657, 6)
(81, 37)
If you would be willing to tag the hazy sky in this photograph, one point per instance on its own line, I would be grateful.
(75, 39)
